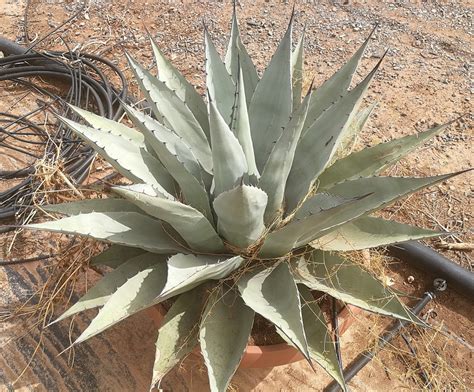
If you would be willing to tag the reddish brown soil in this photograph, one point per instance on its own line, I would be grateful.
(424, 81)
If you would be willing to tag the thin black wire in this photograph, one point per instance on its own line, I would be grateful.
(335, 328)
(422, 373)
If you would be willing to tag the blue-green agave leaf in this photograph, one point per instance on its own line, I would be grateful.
(324, 211)
(178, 334)
(240, 215)
(219, 83)
(177, 158)
(297, 72)
(320, 344)
(318, 145)
(155, 284)
(114, 127)
(279, 163)
(272, 293)
(153, 129)
(241, 128)
(271, 104)
(137, 293)
(129, 160)
(188, 271)
(349, 282)
(335, 87)
(237, 58)
(191, 224)
(165, 102)
(92, 205)
(176, 82)
(115, 255)
(373, 160)
(349, 137)
(224, 333)
(380, 191)
(370, 232)
(123, 228)
(230, 163)
(99, 294)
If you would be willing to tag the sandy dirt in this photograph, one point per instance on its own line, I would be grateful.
(424, 80)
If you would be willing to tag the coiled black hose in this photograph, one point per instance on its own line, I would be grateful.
(87, 86)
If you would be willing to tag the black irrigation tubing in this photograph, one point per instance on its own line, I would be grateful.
(87, 87)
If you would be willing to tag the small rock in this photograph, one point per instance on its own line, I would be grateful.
(410, 279)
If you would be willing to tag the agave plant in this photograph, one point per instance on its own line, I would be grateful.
(238, 205)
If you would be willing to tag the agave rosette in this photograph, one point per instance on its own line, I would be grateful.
(238, 205)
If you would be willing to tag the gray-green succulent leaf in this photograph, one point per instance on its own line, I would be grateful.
(137, 293)
(171, 149)
(347, 281)
(230, 163)
(373, 160)
(99, 294)
(279, 163)
(238, 60)
(224, 333)
(124, 228)
(241, 127)
(128, 159)
(272, 293)
(87, 206)
(186, 271)
(180, 273)
(320, 344)
(271, 104)
(370, 232)
(240, 215)
(326, 212)
(335, 87)
(351, 133)
(191, 224)
(178, 334)
(165, 103)
(320, 142)
(176, 82)
(115, 255)
(111, 126)
(221, 87)
(297, 60)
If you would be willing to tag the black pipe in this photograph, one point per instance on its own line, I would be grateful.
(431, 262)
(366, 356)
(11, 48)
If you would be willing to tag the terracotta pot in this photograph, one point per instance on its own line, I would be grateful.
(276, 354)
(282, 354)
